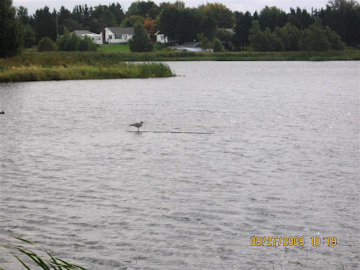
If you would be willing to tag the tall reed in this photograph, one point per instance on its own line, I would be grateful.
(84, 72)
(29, 258)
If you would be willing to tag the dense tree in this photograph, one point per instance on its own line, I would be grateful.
(184, 24)
(23, 16)
(300, 18)
(343, 17)
(209, 27)
(108, 18)
(315, 38)
(29, 36)
(117, 11)
(132, 20)
(271, 17)
(290, 36)
(150, 25)
(143, 8)
(319, 39)
(222, 15)
(218, 47)
(64, 20)
(242, 28)
(45, 24)
(72, 42)
(167, 21)
(10, 30)
(140, 42)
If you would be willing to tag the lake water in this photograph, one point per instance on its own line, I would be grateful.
(282, 160)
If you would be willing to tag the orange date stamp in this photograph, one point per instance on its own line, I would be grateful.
(292, 241)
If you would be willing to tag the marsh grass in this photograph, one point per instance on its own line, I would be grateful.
(26, 256)
(84, 72)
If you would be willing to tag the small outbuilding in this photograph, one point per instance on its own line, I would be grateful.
(161, 38)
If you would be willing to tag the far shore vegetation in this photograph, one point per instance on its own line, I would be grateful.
(60, 65)
(45, 46)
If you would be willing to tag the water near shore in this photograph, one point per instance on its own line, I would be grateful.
(283, 160)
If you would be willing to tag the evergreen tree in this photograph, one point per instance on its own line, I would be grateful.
(271, 17)
(140, 42)
(10, 30)
(45, 24)
(242, 28)
(343, 17)
(29, 36)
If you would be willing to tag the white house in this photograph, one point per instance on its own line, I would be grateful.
(79, 33)
(117, 35)
(161, 38)
(96, 38)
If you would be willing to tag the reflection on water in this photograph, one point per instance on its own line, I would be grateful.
(283, 160)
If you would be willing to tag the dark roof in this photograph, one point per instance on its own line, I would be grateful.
(122, 30)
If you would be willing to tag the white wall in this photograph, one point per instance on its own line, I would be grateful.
(111, 38)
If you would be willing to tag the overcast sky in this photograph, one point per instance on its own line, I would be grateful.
(234, 5)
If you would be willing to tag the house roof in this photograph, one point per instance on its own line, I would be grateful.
(122, 30)
(158, 32)
(82, 32)
(190, 44)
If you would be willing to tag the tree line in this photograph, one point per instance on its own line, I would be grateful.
(271, 25)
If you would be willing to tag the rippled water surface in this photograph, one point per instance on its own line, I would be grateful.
(282, 160)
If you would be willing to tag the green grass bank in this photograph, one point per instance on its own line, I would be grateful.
(76, 66)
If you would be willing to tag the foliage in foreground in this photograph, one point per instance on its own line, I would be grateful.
(29, 258)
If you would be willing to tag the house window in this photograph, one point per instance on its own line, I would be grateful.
(118, 36)
(110, 36)
(125, 37)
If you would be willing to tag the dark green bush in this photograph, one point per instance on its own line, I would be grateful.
(46, 45)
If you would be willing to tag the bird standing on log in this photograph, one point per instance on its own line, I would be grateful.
(138, 125)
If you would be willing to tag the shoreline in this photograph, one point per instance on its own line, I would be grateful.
(47, 66)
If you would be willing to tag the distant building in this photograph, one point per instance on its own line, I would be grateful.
(189, 47)
(161, 38)
(79, 33)
(96, 38)
(117, 35)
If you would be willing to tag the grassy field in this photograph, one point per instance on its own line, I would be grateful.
(123, 48)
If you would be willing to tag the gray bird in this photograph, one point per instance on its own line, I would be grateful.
(138, 125)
